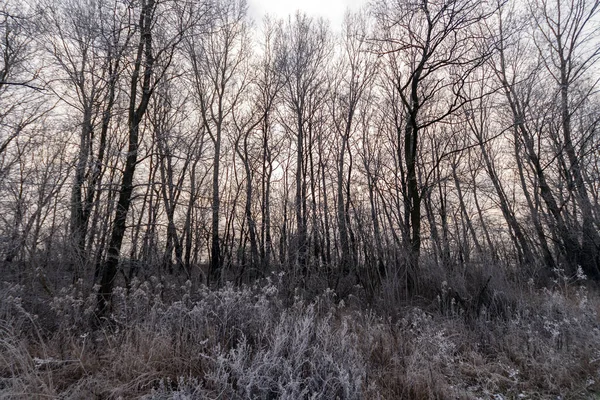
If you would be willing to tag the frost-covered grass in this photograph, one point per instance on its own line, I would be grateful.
(172, 342)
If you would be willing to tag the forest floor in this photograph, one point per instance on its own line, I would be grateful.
(170, 341)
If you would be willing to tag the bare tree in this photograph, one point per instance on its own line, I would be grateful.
(431, 52)
(521, 75)
(87, 42)
(218, 54)
(20, 102)
(307, 46)
(269, 84)
(567, 40)
(356, 72)
(150, 63)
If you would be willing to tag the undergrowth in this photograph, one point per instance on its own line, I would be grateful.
(165, 341)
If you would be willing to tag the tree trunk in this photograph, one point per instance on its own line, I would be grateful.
(135, 115)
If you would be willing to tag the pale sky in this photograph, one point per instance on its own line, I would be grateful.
(333, 10)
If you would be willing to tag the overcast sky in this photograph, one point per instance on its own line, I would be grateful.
(330, 9)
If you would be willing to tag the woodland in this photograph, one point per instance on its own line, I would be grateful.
(198, 205)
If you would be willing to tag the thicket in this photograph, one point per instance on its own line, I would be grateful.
(474, 339)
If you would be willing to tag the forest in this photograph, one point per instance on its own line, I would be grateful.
(198, 205)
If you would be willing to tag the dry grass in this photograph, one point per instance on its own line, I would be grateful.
(250, 343)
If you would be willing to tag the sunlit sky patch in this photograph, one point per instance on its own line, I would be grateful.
(333, 10)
